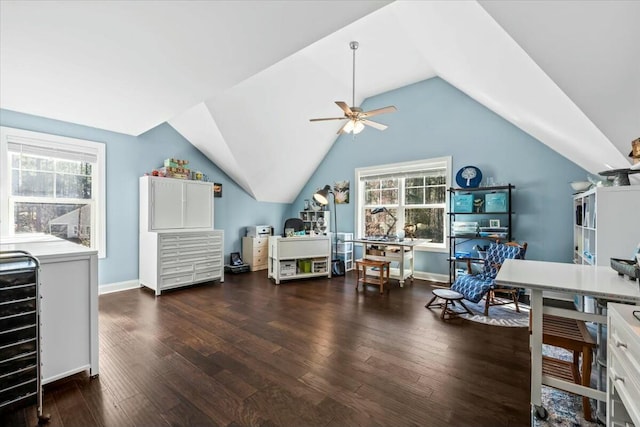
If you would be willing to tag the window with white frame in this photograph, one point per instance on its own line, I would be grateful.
(52, 185)
(409, 197)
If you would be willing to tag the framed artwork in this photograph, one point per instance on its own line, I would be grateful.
(493, 223)
(217, 189)
(341, 192)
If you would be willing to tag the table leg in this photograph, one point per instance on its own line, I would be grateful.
(536, 354)
(401, 266)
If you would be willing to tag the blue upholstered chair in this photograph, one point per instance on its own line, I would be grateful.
(476, 286)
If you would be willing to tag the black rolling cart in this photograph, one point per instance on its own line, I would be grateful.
(20, 373)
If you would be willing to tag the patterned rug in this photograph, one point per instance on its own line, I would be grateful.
(565, 409)
(499, 315)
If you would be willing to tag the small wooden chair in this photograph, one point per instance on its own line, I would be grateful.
(381, 280)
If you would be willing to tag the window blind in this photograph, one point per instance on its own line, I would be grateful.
(54, 149)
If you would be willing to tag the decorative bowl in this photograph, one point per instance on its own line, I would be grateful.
(580, 185)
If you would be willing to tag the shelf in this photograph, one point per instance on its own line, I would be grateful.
(494, 203)
(487, 189)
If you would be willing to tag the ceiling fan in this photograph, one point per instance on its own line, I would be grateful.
(356, 117)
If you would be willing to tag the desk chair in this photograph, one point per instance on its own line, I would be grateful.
(296, 223)
(474, 287)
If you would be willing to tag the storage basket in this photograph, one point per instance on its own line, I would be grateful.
(635, 148)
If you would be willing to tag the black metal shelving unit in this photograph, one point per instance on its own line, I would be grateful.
(20, 373)
(478, 215)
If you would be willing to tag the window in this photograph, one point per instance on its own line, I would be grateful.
(404, 196)
(52, 185)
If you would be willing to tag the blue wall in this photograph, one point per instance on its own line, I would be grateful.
(434, 119)
(128, 158)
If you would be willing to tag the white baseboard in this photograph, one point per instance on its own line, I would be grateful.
(433, 277)
(119, 286)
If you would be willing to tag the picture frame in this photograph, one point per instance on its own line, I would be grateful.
(217, 189)
(307, 205)
(494, 223)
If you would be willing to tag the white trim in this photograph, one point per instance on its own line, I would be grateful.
(398, 168)
(94, 147)
(118, 286)
(432, 277)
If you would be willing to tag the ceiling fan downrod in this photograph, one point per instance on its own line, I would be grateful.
(354, 45)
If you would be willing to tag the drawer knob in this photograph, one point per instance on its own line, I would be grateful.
(621, 344)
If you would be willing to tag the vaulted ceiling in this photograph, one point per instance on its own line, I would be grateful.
(240, 79)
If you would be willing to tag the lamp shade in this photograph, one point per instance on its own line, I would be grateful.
(322, 196)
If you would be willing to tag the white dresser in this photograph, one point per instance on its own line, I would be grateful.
(178, 245)
(255, 252)
(623, 366)
(172, 260)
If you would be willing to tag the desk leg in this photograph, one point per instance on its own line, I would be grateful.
(536, 355)
(401, 266)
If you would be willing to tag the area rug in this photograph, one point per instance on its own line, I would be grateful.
(499, 315)
(565, 409)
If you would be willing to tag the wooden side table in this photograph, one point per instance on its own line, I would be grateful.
(383, 268)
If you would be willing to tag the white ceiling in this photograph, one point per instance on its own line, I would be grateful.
(240, 79)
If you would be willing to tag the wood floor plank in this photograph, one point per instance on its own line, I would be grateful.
(304, 353)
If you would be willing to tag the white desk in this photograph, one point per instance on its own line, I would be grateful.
(539, 276)
(394, 251)
(285, 252)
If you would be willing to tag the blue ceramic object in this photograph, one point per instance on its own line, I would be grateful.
(469, 177)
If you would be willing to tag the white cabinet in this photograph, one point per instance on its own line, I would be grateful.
(299, 257)
(605, 224)
(345, 249)
(171, 204)
(175, 259)
(69, 308)
(623, 366)
(255, 252)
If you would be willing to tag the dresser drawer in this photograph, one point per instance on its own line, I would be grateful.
(260, 259)
(207, 265)
(208, 275)
(174, 268)
(625, 345)
(175, 280)
(626, 383)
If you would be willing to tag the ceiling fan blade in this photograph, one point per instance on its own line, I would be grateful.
(376, 125)
(344, 107)
(389, 109)
(328, 118)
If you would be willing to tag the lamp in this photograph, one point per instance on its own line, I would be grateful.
(322, 197)
(376, 211)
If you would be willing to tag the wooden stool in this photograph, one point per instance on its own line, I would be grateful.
(570, 334)
(449, 297)
(380, 281)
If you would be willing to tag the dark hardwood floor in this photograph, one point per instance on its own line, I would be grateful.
(304, 353)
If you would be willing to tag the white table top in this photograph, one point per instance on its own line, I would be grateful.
(46, 246)
(405, 242)
(596, 281)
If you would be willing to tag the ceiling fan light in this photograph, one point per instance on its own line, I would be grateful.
(357, 127)
(348, 128)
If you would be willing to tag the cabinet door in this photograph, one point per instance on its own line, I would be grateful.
(198, 207)
(166, 204)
